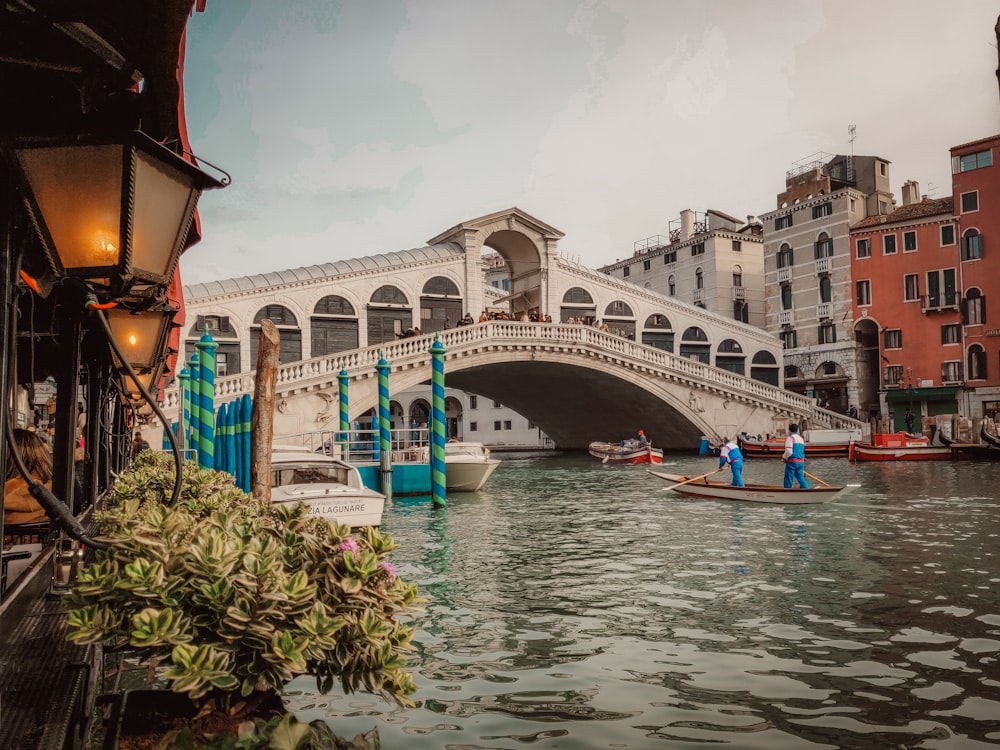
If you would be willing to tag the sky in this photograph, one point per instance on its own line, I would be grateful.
(357, 127)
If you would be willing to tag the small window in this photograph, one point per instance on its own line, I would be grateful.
(864, 292)
(977, 362)
(785, 257)
(473, 426)
(823, 248)
(737, 246)
(951, 333)
(864, 247)
(507, 424)
(893, 375)
(883, 207)
(889, 244)
(671, 287)
(970, 202)
(892, 339)
(972, 245)
(789, 340)
(909, 242)
(221, 364)
(646, 264)
(697, 249)
(783, 222)
(473, 402)
(974, 308)
(951, 372)
(947, 235)
(625, 271)
(968, 162)
(827, 334)
(497, 405)
(496, 426)
(911, 287)
(670, 257)
(823, 209)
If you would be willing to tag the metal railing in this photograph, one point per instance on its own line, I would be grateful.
(409, 445)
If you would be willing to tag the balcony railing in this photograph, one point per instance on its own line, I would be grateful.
(784, 274)
(698, 295)
(786, 317)
(824, 310)
(822, 265)
(940, 301)
(739, 292)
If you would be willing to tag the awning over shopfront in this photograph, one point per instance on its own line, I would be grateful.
(944, 393)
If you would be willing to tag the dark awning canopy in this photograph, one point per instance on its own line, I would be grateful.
(944, 393)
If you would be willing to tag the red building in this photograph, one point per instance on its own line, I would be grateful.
(921, 276)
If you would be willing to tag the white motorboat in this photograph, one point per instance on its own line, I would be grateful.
(330, 487)
(467, 466)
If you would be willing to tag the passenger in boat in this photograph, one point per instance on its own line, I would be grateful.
(733, 457)
(18, 504)
(909, 420)
(643, 440)
(795, 458)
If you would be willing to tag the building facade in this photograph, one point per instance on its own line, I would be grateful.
(807, 273)
(711, 260)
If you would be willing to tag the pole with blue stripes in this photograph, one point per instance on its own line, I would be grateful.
(438, 476)
(245, 414)
(194, 399)
(206, 409)
(345, 419)
(384, 437)
(184, 421)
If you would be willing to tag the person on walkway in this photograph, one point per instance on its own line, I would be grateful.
(853, 412)
(139, 445)
(733, 457)
(19, 505)
(643, 440)
(795, 458)
(909, 420)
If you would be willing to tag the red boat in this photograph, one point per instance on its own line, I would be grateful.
(626, 452)
(899, 446)
(819, 444)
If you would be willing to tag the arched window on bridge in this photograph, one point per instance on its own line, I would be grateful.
(219, 327)
(620, 319)
(578, 305)
(658, 332)
(694, 345)
(290, 347)
(730, 356)
(334, 326)
(764, 367)
(389, 314)
(441, 305)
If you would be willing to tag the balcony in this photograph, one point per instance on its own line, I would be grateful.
(786, 318)
(822, 265)
(784, 274)
(824, 310)
(739, 292)
(939, 302)
(698, 295)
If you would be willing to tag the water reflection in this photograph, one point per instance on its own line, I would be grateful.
(575, 605)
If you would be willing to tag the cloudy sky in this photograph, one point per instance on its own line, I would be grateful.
(355, 127)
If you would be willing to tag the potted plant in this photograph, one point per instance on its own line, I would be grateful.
(232, 599)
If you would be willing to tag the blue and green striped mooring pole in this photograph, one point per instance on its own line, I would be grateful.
(438, 424)
(384, 425)
(206, 347)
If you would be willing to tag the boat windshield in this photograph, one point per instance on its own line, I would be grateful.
(308, 474)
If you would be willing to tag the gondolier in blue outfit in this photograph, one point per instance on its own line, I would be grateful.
(732, 455)
(795, 458)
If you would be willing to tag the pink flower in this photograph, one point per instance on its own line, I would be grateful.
(350, 545)
(390, 570)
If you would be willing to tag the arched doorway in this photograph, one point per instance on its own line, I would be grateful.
(658, 332)
(440, 305)
(334, 326)
(577, 306)
(290, 345)
(389, 314)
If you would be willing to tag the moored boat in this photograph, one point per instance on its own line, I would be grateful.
(754, 493)
(899, 446)
(467, 466)
(330, 487)
(818, 444)
(625, 452)
(988, 438)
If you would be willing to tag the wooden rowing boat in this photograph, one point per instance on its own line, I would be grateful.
(753, 493)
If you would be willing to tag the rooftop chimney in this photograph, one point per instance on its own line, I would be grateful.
(911, 192)
(687, 224)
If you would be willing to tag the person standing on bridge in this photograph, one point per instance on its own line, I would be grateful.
(795, 458)
(731, 454)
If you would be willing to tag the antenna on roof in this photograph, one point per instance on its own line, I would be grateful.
(852, 131)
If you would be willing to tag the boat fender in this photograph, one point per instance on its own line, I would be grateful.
(765, 448)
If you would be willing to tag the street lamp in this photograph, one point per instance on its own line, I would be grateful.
(114, 212)
(141, 335)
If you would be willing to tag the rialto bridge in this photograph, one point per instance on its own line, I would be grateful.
(678, 370)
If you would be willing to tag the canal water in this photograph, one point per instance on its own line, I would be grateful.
(577, 605)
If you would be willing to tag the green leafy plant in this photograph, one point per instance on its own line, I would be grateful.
(234, 599)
